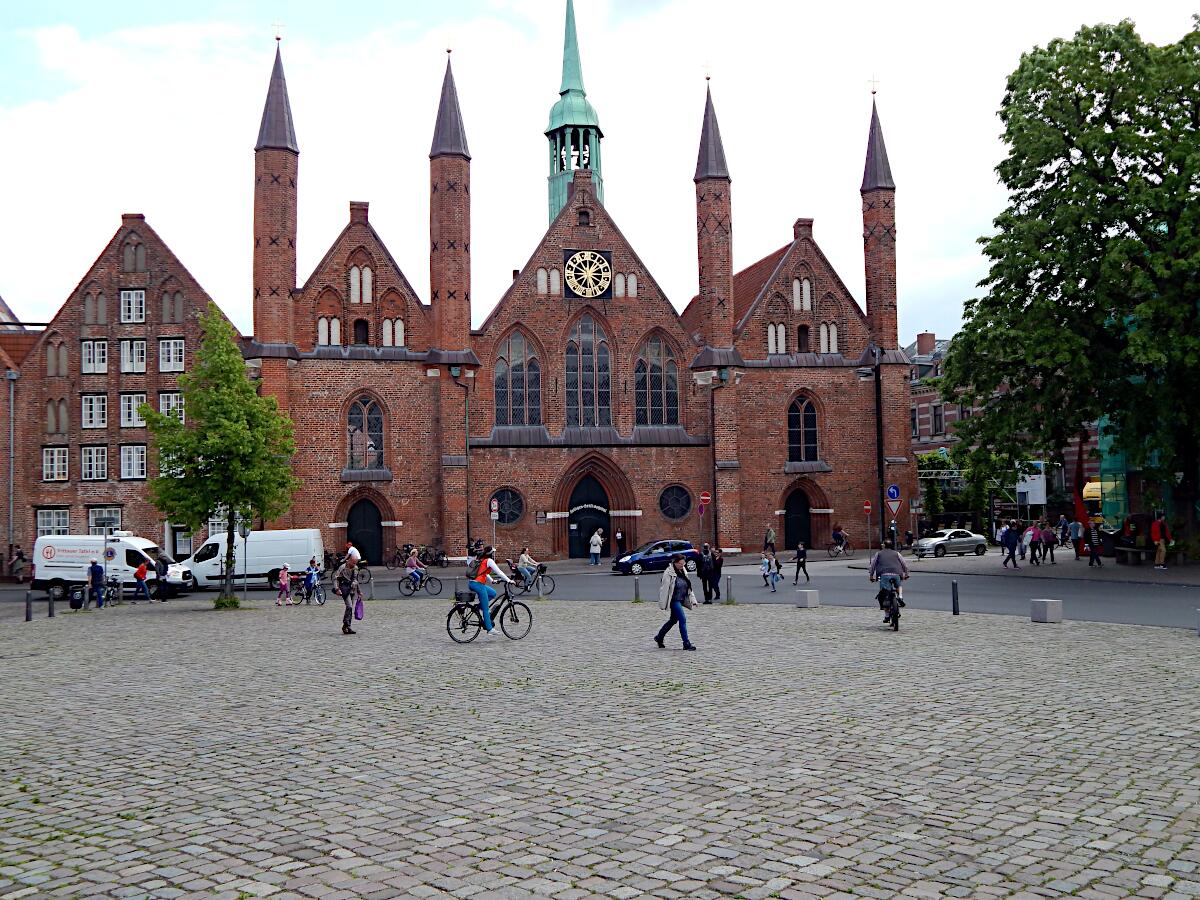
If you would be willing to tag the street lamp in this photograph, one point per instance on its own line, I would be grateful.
(866, 373)
(244, 531)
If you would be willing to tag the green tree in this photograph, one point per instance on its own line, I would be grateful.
(233, 450)
(1091, 307)
(933, 499)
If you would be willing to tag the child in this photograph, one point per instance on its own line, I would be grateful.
(776, 575)
(311, 575)
(285, 587)
(765, 564)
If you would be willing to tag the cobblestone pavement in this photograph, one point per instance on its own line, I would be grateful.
(173, 751)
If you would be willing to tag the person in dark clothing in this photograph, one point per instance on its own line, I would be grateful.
(801, 561)
(1095, 545)
(620, 539)
(1010, 541)
(675, 593)
(769, 539)
(718, 565)
(704, 569)
(160, 583)
(96, 582)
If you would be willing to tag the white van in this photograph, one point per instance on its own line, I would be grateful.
(260, 556)
(62, 560)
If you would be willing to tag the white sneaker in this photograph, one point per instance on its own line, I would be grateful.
(490, 634)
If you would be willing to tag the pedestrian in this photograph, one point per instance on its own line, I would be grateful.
(718, 565)
(764, 566)
(161, 567)
(345, 583)
(801, 561)
(619, 537)
(704, 570)
(96, 582)
(17, 564)
(1033, 537)
(908, 540)
(140, 588)
(1076, 530)
(1023, 545)
(487, 571)
(776, 574)
(1095, 545)
(1010, 539)
(595, 545)
(285, 587)
(675, 593)
(1048, 542)
(1160, 535)
(769, 539)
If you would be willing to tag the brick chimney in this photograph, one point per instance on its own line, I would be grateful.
(926, 341)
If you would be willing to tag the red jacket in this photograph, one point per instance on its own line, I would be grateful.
(140, 574)
(1159, 531)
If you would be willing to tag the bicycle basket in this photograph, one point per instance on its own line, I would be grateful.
(542, 569)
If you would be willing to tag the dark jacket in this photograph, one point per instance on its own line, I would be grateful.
(1011, 539)
(96, 575)
(718, 564)
(706, 564)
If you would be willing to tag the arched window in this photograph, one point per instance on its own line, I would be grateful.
(631, 285)
(588, 375)
(833, 337)
(51, 417)
(368, 284)
(781, 343)
(518, 383)
(797, 294)
(802, 339)
(335, 331)
(365, 428)
(362, 332)
(771, 338)
(555, 282)
(51, 359)
(656, 385)
(802, 431)
(355, 285)
(509, 505)
(806, 295)
(127, 257)
(63, 422)
(322, 331)
(824, 332)
(399, 323)
(140, 258)
(89, 309)
(618, 285)
(133, 256)
(543, 281)
(388, 338)
(101, 310)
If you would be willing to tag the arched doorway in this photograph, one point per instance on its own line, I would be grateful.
(587, 511)
(364, 528)
(797, 523)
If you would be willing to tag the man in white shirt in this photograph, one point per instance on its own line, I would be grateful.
(352, 553)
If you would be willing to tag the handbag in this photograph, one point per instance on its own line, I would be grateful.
(358, 608)
(690, 600)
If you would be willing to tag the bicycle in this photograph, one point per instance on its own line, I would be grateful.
(843, 549)
(890, 603)
(331, 566)
(430, 583)
(465, 619)
(433, 556)
(542, 583)
(317, 592)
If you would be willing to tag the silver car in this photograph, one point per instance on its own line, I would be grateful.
(951, 540)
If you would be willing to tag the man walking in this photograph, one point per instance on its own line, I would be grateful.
(1077, 537)
(1010, 541)
(704, 569)
(1095, 545)
(1160, 534)
(96, 582)
(619, 537)
(769, 539)
(345, 582)
(801, 561)
(718, 565)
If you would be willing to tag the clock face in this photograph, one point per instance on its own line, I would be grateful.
(588, 274)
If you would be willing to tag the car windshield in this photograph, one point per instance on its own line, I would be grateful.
(940, 534)
(645, 548)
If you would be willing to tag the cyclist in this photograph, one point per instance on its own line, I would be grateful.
(839, 536)
(889, 568)
(486, 571)
(416, 569)
(527, 566)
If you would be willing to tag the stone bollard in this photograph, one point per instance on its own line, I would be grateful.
(1045, 611)
(808, 599)
(637, 591)
(1198, 623)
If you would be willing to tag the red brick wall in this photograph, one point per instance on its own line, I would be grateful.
(714, 251)
(275, 178)
(450, 249)
(879, 250)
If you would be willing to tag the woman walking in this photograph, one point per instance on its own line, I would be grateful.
(595, 545)
(675, 593)
(801, 561)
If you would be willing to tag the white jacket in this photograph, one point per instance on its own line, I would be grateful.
(666, 587)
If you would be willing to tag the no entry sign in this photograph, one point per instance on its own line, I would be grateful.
(866, 507)
(705, 498)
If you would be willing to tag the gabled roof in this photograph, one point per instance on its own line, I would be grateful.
(8, 319)
(277, 131)
(710, 161)
(747, 285)
(17, 344)
(325, 260)
(449, 135)
(877, 172)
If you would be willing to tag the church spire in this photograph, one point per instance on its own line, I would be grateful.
(572, 69)
(574, 130)
(449, 135)
(710, 162)
(277, 131)
(877, 173)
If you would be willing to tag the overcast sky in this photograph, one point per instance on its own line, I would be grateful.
(153, 107)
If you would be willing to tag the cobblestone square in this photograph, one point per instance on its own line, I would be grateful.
(173, 751)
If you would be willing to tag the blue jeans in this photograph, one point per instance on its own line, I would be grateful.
(595, 560)
(888, 580)
(527, 572)
(140, 590)
(677, 617)
(97, 592)
(415, 575)
(486, 593)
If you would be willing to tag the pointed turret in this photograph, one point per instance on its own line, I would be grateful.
(574, 129)
(449, 135)
(879, 237)
(277, 131)
(710, 163)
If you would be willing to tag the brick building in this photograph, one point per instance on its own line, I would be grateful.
(583, 401)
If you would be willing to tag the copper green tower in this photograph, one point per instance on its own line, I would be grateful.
(574, 130)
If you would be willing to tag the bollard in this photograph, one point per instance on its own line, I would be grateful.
(1045, 611)
(50, 595)
(954, 597)
(29, 606)
(637, 591)
(1198, 623)
(728, 588)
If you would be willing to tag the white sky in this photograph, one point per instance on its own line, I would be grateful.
(162, 119)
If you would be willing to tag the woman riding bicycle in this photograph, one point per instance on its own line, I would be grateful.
(839, 536)
(527, 566)
(486, 571)
(416, 570)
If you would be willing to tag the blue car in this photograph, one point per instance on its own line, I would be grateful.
(656, 556)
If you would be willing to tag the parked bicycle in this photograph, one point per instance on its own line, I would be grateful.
(431, 584)
(843, 549)
(465, 619)
(541, 583)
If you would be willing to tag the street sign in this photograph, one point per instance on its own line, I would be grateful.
(866, 507)
(700, 510)
(495, 506)
(495, 516)
(705, 498)
(894, 506)
(893, 492)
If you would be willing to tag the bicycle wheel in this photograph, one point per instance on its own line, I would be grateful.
(364, 575)
(894, 615)
(547, 585)
(516, 620)
(406, 586)
(442, 559)
(833, 550)
(463, 624)
(848, 550)
(393, 561)
(433, 584)
(319, 594)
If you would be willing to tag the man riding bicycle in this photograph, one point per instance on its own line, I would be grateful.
(889, 568)
(839, 536)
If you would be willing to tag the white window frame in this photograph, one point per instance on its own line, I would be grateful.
(133, 462)
(55, 463)
(355, 285)
(130, 417)
(133, 307)
(93, 411)
(53, 521)
(368, 284)
(171, 354)
(631, 285)
(108, 513)
(93, 462)
(335, 331)
(170, 403)
(93, 357)
(322, 332)
(133, 356)
(398, 333)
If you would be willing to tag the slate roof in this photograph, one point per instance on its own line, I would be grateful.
(710, 161)
(277, 131)
(8, 319)
(449, 134)
(877, 172)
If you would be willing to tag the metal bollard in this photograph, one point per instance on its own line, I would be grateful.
(29, 606)
(637, 590)
(50, 596)
(954, 597)
(728, 588)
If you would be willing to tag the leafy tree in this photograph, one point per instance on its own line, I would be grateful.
(1091, 307)
(233, 451)
(933, 499)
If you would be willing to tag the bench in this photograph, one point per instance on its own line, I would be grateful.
(1132, 556)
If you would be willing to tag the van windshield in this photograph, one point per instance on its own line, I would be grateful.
(205, 553)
